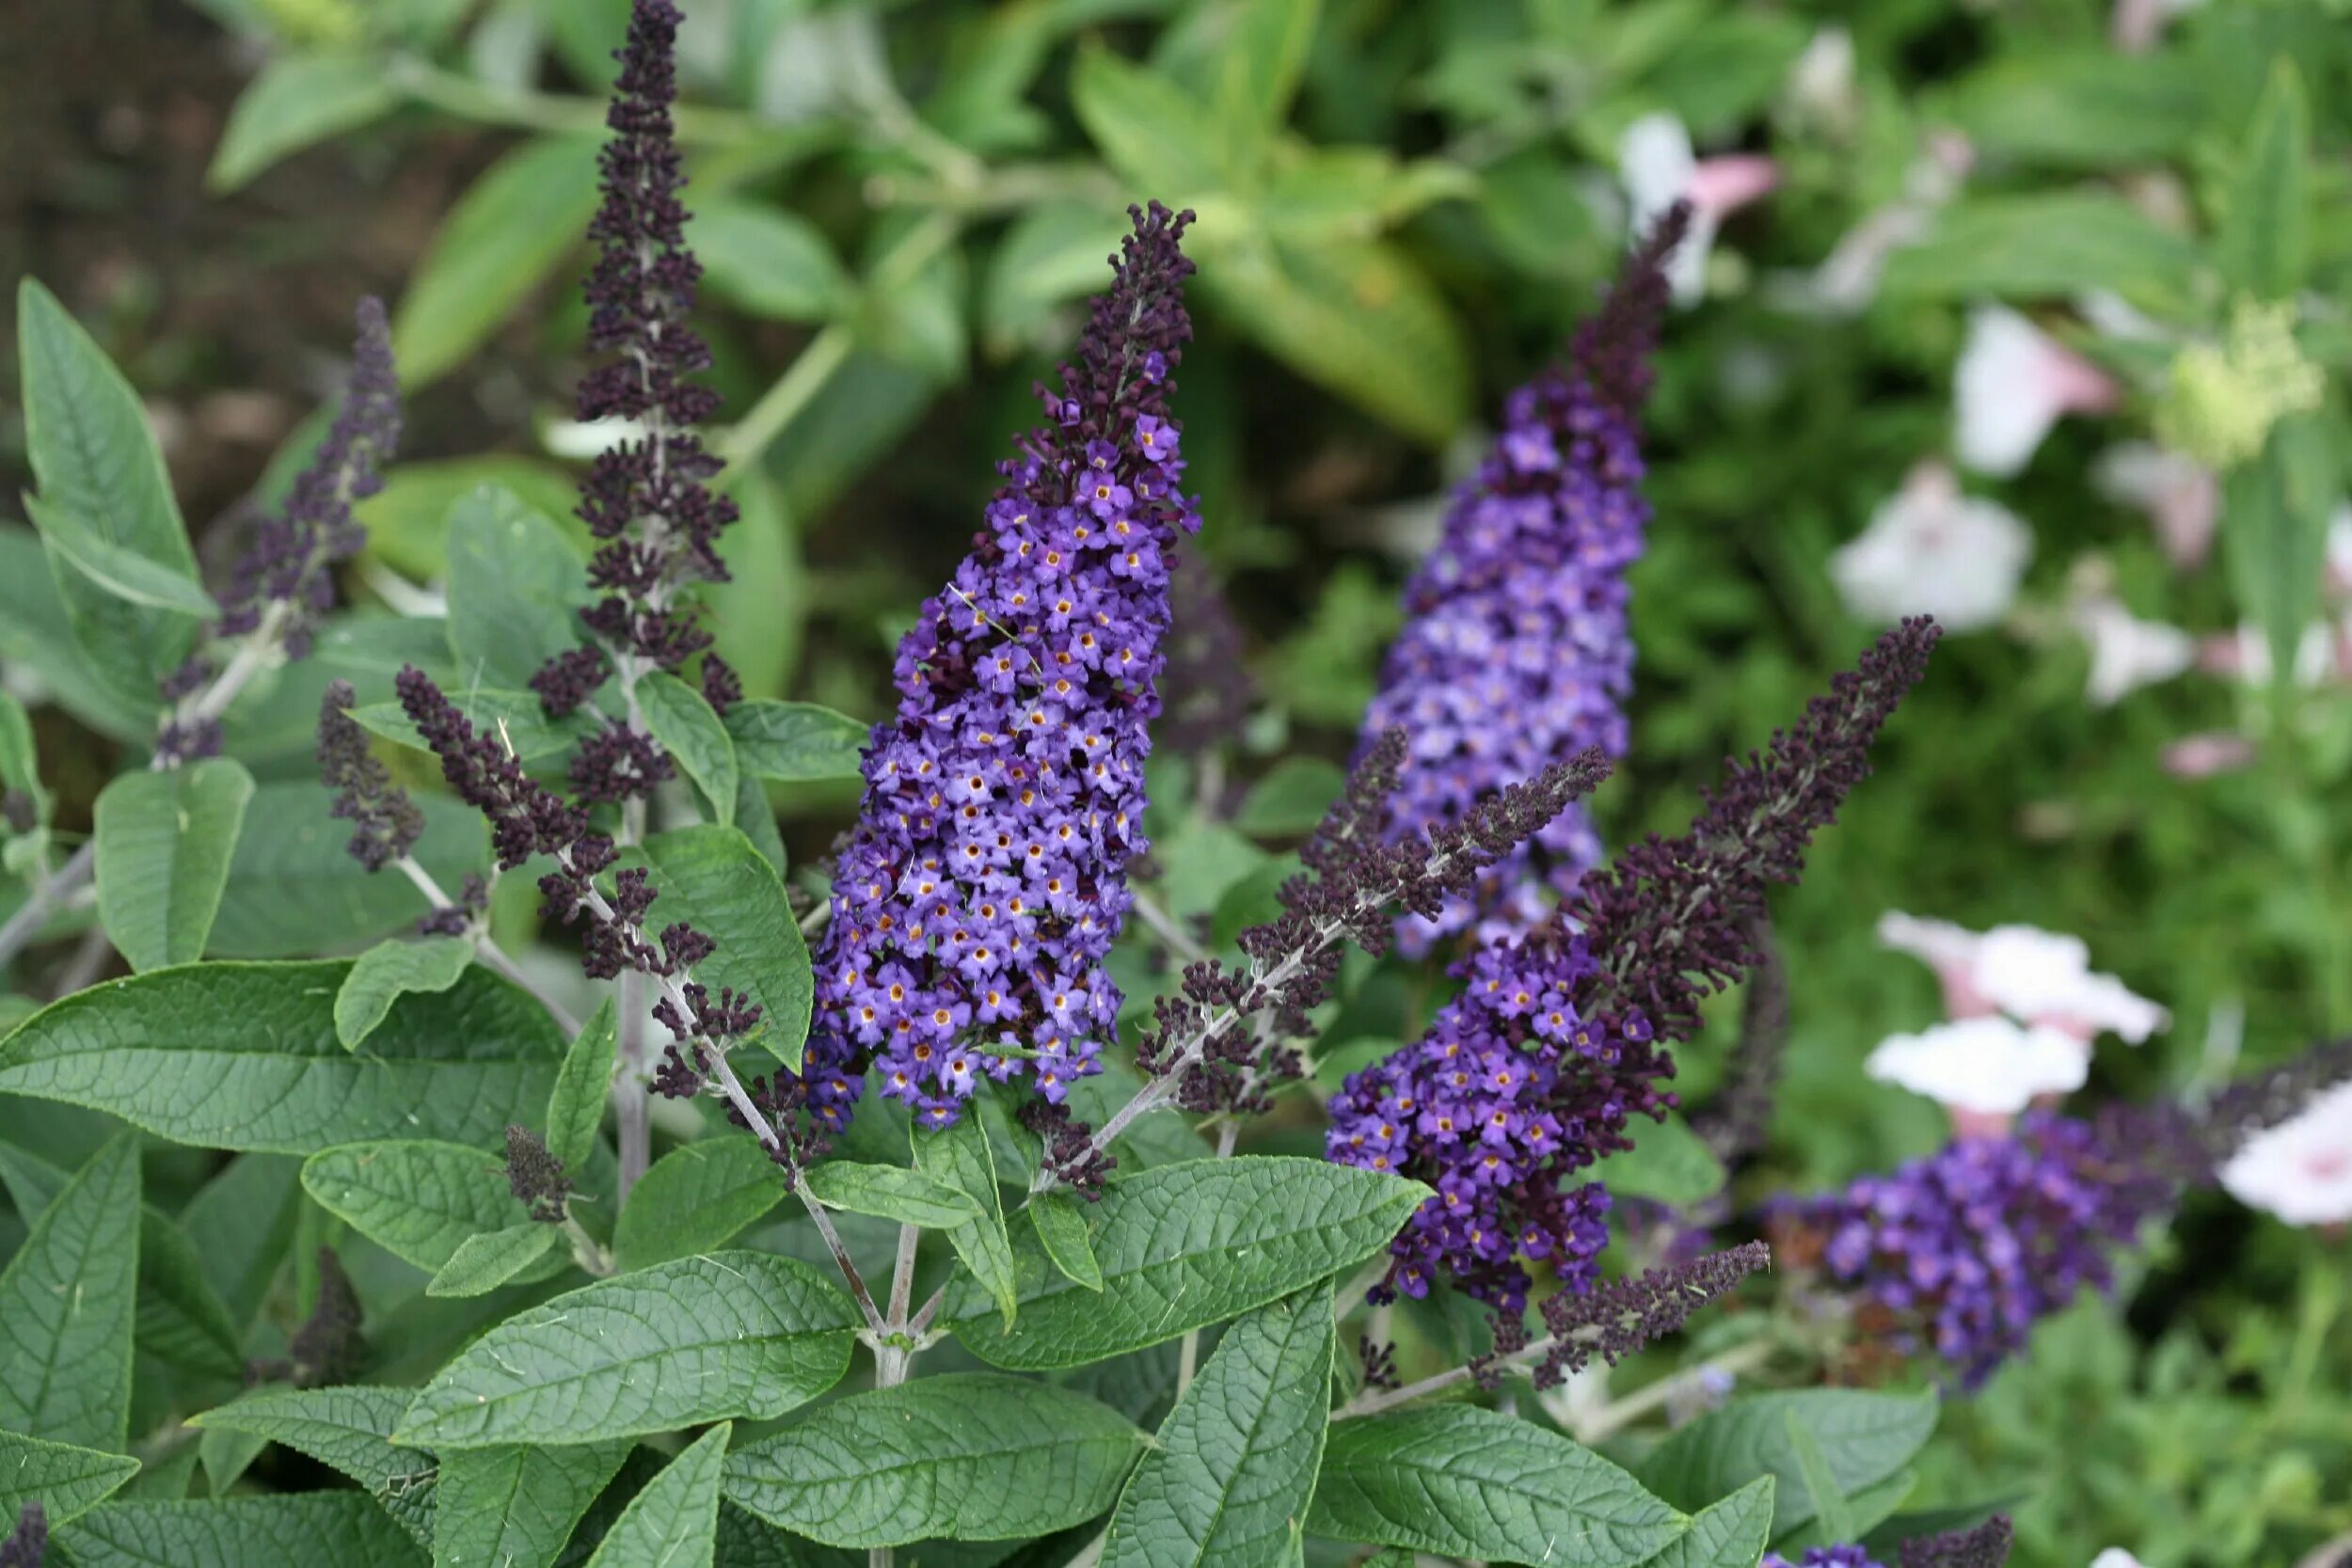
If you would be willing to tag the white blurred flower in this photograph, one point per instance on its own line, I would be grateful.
(2128, 652)
(2041, 979)
(1931, 550)
(1989, 1065)
(2339, 560)
(1822, 81)
(581, 442)
(2244, 655)
(2301, 1169)
(2180, 496)
(2013, 383)
(1847, 279)
(1658, 166)
(2116, 1557)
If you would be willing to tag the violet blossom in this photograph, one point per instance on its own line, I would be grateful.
(1516, 651)
(986, 877)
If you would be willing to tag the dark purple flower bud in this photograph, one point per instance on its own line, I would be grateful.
(1823, 1557)
(1959, 1254)
(570, 678)
(27, 1545)
(1515, 652)
(284, 574)
(455, 920)
(1674, 919)
(722, 686)
(1614, 1319)
(1985, 1546)
(385, 822)
(327, 1348)
(986, 877)
(535, 1175)
(1736, 1125)
(525, 818)
(617, 763)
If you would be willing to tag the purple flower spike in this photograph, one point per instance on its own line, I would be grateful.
(1823, 1557)
(986, 877)
(1515, 652)
(1962, 1253)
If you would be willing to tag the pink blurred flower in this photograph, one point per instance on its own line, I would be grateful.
(2301, 1169)
(2041, 979)
(2209, 753)
(2180, 496)
(1658, 166)
(2013, 383)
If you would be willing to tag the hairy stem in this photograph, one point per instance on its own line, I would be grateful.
(487, 949)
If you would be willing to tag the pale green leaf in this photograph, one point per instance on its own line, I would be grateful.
(36, 634)
(1153, 133)
(1227, 1483)
(890, 1193)
(245, 1056)
(1183, 1246)
(971, 1456)
(689, 729)
(1667, 1164)
(795, 742)
(316, 1529)
(499, 242)
(517, 719)
(713, 878)
(296, 100)
(68, 1301)
(1732, 1533)
(674, 1522)
(165, 840)
(417, 1199)
(483, 1263)
(959, 1157)
(2265, 229)
(1864, 1438)
(1461, 1481)
(295, 890)
(2041, 244)
(65, 1479)
(697, 1199)
(407, 521)
(576, 1105)
(516, 588)
(389, 970)
(736, 1335)
(1062, 1229)
(117, 569)
(770, 262)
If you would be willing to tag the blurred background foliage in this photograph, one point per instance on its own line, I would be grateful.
(1402, 207)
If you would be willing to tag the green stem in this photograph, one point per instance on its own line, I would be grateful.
(470, 98)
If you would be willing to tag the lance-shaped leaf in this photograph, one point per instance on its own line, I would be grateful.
(389, 970)
(483, 1263)
(515, 1507)
(959, 1157)
(317, 1530)
(516, 587)
(576, 1105)
(689, 729)
(165, 840)
(416, 1198)
(67, 1300)
(347, 1430)
(970, 1456)
(715, 881)
(1732, 1533)
(890, 1193)
(1061, 1228)
(1461, 1481)
(695, 1200)
(798, 742)
(1226, 1485)
(245, 1056)
(65, 1479)
(735, 1335)
(1182, 1246)
(1862, 1437)
(295, 890)
(675, 1519)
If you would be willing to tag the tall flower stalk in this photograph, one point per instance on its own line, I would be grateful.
(1515, 650)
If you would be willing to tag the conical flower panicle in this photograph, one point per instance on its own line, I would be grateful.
(986, 877)
(1516, 651)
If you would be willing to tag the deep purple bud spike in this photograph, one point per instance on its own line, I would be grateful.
(1985, 1546)
(385, 822)
(27, 1545)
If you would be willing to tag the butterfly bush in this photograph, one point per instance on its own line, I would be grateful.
(986, 877)
(1559, 1039)
(1515, 650)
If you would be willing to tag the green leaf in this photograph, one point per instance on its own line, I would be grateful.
(2050, 243)
(675, 1521)
(390, 970)
(500, 240)
(1356, 315)
(95, 459)
(518, 720)
(1732, 1533)
(65, 1479)
(1291, 799)
(1062, 1230)
(483, 1263)
(795, 742)
(1667, 1164)
(970, 1456)
(713, 878)
(2086, 108)
(689, 729)
(347, 1430)
(116, 569)
(959, 1157)
(1831, 1510)
(296, 101)
(1050, 254)
(67, 1304)
(1461, 1481)
(20, 759)
(1183, 1246)
(407, 521)
(317, 1530)
(418, 1199)
(890, 1193)
(2275, 526)
(757, 614)
(1864, 1438)
(768, 261)
(2263, 245)
(515, 1507)
(245, 1056)
(165, 840)
(695, 1200)
(295, 890)
(516, 586)
(1227, 1483)
(1153, 133)
(1864, 1512)
(1259, 67)
(576, 1105)
(241, 1223)
(736, 1335)
(37, 633)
